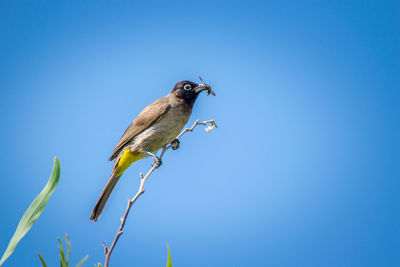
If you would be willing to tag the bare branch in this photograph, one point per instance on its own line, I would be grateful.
(143, 179)
(197, 122)
(105, 248)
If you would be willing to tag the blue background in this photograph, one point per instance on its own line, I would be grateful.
(302, 171)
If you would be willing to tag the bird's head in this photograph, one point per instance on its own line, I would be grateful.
(189, 91)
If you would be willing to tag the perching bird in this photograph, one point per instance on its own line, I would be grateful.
(157, 125)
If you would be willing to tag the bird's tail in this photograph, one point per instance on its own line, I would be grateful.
(105, 194)
(124, 160)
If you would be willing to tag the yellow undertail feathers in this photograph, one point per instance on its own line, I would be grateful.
(127, 159)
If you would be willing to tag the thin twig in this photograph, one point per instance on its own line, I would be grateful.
(143, 179)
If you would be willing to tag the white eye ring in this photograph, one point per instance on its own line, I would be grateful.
(187, 87)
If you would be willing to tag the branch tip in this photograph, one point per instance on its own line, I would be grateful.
(105, 248)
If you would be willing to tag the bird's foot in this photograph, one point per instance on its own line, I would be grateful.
(175, 144)
(157, 161)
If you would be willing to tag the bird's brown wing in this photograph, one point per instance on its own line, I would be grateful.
(144, 120)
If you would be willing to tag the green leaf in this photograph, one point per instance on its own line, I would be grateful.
(68, 247)
(33, 212)
(42, 260)
(82, 261)
(63, 263)
(169, 262)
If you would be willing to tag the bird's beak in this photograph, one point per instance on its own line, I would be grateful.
(201, 87)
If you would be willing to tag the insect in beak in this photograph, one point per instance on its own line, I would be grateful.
(203, 86)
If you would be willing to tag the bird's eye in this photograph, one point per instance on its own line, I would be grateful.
(187, 87)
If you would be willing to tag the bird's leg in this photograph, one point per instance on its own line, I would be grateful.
(157, 161)
(175, 144)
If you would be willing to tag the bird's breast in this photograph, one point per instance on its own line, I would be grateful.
(163, 131)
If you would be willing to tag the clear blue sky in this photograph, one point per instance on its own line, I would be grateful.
(302, 171)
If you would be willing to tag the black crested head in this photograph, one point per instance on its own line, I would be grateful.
(189, 91)
(186, 90)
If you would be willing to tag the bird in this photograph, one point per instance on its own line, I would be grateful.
(156, 126)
